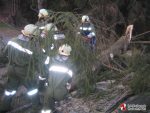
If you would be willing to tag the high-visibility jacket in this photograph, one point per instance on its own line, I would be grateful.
(22, 64)
(87, 30)
(60, 73)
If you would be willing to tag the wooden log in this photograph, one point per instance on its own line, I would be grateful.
(140, 42)
(116, 49)
(40, 4)
(119, 100)
(21, 108)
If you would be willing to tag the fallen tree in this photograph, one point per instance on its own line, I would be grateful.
(105, 56)
(117, 48)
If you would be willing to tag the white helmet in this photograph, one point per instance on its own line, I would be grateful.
(51, 27)
(85, 18)
(65, 50)
(43, 13)
(30, 30)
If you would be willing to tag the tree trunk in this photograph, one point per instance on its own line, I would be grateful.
(116, 48)
(41, 4)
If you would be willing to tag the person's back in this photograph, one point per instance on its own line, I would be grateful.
(18, 50)
(21, 67)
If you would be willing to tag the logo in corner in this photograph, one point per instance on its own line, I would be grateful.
(123, 107)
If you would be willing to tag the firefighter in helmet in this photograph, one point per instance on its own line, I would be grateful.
(51, 37)
(87, 32)
(60, 76)
(21, 68)
(43, 16)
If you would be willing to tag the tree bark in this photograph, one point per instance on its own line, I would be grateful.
(116, 48)
(41, 4)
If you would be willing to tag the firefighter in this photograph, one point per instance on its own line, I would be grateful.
(51, 37)
(47, 28)
(20, 52)
(87, 32)
(47, 35)
(46, 44)
(59, 80)
(43, 16)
